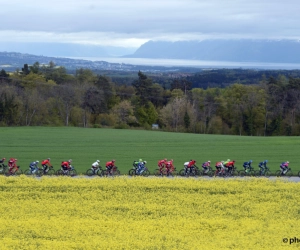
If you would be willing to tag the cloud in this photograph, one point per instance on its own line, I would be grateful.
(133, 22)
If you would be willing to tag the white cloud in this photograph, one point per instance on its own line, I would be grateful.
(133, 22)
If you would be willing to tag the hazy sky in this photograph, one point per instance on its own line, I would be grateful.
(130, 23)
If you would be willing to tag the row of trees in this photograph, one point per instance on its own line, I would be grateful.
(47, 95)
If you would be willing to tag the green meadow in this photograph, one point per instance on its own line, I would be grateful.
(86, 145)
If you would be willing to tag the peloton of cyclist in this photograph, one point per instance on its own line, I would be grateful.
(12, 164)
(34, 166)
(284, 167)
(95, 166)
(109, 165)
(162, 164)
(263, 165)
(46, 164)
(206, 166)
(66, 165)
(247, 165)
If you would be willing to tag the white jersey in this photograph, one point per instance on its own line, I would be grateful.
(95, 164)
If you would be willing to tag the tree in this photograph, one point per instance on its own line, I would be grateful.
(25, 69)
(143, 88)
(4, 77)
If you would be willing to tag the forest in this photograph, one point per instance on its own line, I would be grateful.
(47, 95)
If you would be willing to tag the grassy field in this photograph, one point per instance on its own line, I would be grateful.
(85, 146)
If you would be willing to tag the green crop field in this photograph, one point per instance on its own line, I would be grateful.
(85, 145)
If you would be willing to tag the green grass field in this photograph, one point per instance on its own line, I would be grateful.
(84, 146)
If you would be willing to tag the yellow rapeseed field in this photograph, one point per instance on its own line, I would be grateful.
(148, 213)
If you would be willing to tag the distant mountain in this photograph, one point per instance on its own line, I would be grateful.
(65, 49)
(243, 50)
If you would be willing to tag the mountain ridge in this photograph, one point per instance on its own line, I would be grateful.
(241, 50)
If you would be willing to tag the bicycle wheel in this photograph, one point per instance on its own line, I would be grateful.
(28, 172)
(267, 174)
(182, 172)
(99, 172)
(59, 172)
(211, 173)
(116, 172)
(157, 172)
(289, 174)
(278, 173)
(72, 172)
(39, 173)
(242, 173)
(131, 172)
(90, 172)
(146, 173)
(299, 173)
(50, 172)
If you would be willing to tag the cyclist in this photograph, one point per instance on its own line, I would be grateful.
(66, 165)
(206, 166)
(263, 165)
(2, 162)
(162, 164)
(34, 166)
(12, 165)
(220, 167)
(95, 166)
(169, 166)
(229, 165)
(46, 164)
(141, 166)
(189, 166)
(225, 162)
(284, 167)
(109, 165)
(247, 165)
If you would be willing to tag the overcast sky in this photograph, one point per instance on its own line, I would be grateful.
(130, 23)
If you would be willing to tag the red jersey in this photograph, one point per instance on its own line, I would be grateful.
(161, 163)
(46, 162)
(65, 164)
(191, 163)
(110, 164)
(230, 164)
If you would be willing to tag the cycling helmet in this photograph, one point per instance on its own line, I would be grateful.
(48, 159)
(140, 160)
(3, 159)
(250, 161)
(98, 161)
(113, 160)
(165, 159)
(37, 161)
(171, 160)
(208, 161)
(70, 160)
(145, 162)
(287, 162)
(266, 161)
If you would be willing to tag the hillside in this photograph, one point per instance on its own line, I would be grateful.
(243, 50)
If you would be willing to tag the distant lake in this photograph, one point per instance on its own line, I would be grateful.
(193, 63)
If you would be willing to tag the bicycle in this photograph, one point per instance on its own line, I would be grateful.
(205, 172)
(15, 171)
(165, 172)
(97, 171)
(247, 172)
(187, 172)
(34, 172)
(263, 172)
(144, 172)
(67, 172)
(288, 173)
(50, 171)
(217, 173)
(112, 172)
(3, 167)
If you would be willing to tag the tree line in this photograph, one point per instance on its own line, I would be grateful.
(46, 95)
